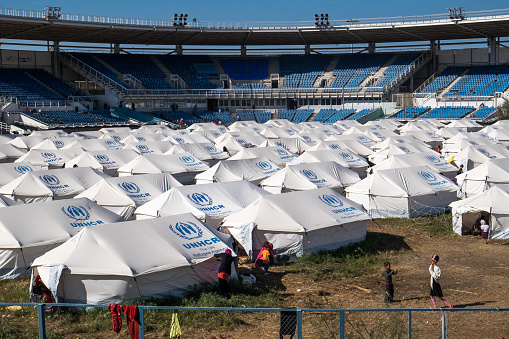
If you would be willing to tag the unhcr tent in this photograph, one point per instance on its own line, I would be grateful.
(52, 159)
(460, 141)
(154, 258)
(429, 137)
(342, 156)
(28, 231)
(52, 184)
(352, 145)
(55, 143)
(298, 222)
(403, 193)
(9, 153)
(432, 160)
(252, 170)
(107, 130)
(6, 202)
(473, 156)
(183, 166)
(310, 176)
(104, 161)
(143, 138)
(54, 133)
(398, 141)
(11, 171)
(484, 176)
(209, 202)
(233, 145)
(191, 138)
(122, 195)
(151, 147)
(361, 138)
(95, 144)
(293, 145)
(202, 151)
(407, 148)
(492, 204)
(276, 154)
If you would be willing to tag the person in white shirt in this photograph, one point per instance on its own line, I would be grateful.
(436, 290)
(484, 228)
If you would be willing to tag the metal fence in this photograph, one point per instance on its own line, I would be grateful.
(312, 323)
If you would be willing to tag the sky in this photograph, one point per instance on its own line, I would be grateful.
(257, 10)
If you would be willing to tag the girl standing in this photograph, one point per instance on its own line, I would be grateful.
(436, 290)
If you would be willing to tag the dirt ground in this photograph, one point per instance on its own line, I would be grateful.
(475, 274)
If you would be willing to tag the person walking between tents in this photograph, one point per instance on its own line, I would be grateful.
(436, 290)
(265, 257)
(224, 271)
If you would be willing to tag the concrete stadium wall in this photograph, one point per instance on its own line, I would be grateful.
(11, 58)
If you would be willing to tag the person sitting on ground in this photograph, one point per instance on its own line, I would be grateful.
(484, 228)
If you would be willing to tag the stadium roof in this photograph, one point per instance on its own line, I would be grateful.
(33, 25)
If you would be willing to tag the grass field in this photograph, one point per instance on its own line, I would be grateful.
(474, 275)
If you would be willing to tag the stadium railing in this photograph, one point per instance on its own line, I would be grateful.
(296, 320)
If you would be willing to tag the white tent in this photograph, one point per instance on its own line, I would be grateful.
(379, 134)
(461, 141)
(122, 195)
(28, 231)
(298, 222)
(27, 143)
(209, 202)
(11, 171)
(342, 156)
(51, 184)
(87, 134)
(233, 145)
(153, 258)
(253, 170)
(276, 154)
(361, 138)
(493, 204)
(52, 159)
(293, 145)
(309, 176)
(347, 124)
(9, 153)
(428, 137)
(433, 160)
(407, 148)
(273, 132)
(352, 145)
(150, 147)
(54, 133)
(403, 192)
(473, 156)
(484, 176)
(95, 144)
(419, 125)
(182, 166)
(399, 140)
(142, 138)
(190, 138)
(469, 124)
(55, 143)
(6, 202)
(449, 132)
(202, 151)
(107, 130)
(105, 161)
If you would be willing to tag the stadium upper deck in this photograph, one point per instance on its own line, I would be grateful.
(34, 25)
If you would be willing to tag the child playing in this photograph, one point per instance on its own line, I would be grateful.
(389, 287)
(436, 290)
(266, 259)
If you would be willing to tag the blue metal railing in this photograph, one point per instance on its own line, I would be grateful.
(298, 311)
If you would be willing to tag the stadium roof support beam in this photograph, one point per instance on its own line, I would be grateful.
(302, 37)
(355, 35)
(472, 30)
(408, 33)
(371, 48)
(244, 43)
(10, 36)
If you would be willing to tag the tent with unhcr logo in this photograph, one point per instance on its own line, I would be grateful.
(155, 257)
(28, 231)
(298, 222)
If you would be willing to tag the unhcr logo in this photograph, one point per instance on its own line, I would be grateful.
(201, 199)
(179, 140)
(129, 187)
(187, 159)
(61, 133)
(187, 230)
(23, 169)
(101, 158)
(331, 200)
(428, 176)
(183, 132)
(404, 149)
(141, 139)
(58, 143)
(306, 138)
(264, 165)
(400, 141)
(362, 138)
(473, 143)
(110, 131)
(76, 212)
(210, 148)
(484, 152)
(50, 179)
(116, 138)
(142, 148)
(309, 174)
(335, 146)
(48, 155)
(346, 155)
(433, 158)
(110, 142)
(216, 134)
(280, 151)
(241, 141)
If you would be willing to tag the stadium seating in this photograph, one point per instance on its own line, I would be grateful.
(447, 113)
(184, 66)
(351, 70)
(225, 117)
(483, 113)
(301, 71)
(71, 118)
(410, 112)
(399, 65)
(360, 114)
(246, 69)
(15, 82)
(105, 115)
(324, 114)
(246, 116)
(262, 117)
(339, 115)
(40, 117)
(54, 83)
(91, 60)
(481, 81)
(188, 118)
